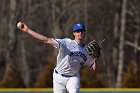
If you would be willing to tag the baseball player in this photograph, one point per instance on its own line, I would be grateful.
(71, 57)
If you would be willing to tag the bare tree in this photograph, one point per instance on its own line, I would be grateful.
(12, 20)
(115, 49)
(25, 71)
(121, 45)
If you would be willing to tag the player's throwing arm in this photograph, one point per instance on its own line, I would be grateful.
(38, 36)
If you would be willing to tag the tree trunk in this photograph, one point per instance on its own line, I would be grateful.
(115, 52)
(136, 41)
(12, 25)
(121, 45)
(25, 71)
(86, 16)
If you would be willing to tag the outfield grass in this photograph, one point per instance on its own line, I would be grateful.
(83, 90)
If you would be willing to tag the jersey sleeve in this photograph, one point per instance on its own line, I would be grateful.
(62, 43)
(90, 62)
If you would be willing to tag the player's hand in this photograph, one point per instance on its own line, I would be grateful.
(22, 26)
(93, 49)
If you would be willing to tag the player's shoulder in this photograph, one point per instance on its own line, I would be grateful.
(64, 40)
(68, 39)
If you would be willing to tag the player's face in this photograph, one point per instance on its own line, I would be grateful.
(80, 34)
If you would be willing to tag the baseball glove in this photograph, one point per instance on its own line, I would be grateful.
(93, 49)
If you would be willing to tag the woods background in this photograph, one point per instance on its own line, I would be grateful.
(26, 62)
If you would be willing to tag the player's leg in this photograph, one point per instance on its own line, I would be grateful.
(58, 87)
(59, 83)
(73, 84)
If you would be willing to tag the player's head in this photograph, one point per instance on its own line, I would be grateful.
(79, 31)
(78, 26)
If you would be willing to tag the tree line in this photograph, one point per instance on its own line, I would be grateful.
(26, 62)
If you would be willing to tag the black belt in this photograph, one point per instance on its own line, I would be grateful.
(62, 74)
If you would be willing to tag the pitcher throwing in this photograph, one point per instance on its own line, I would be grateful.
(72, 55)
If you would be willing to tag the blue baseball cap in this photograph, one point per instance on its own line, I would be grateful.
(78, 26)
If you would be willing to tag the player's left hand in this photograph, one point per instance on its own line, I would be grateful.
(93, 49)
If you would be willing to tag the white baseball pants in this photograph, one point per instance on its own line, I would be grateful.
(62, 84)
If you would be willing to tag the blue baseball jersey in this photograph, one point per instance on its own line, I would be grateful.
(71, 57)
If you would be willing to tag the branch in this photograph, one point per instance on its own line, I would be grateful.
(133, 45)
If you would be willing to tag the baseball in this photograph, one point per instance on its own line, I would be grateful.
(20, 25)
